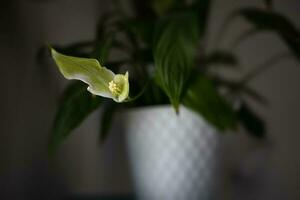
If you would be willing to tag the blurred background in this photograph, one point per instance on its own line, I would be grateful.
(29, 95)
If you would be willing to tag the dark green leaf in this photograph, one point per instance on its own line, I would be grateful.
(102, 49)
(253, 123)
(174, 53)
(77, 103)
(266, 20)
(203, 11)
(239, 88)
(203, 98)
(268, 3)
(104, 23)
(143, 9)
(105, 37)
(107, 119)
(143, 29)
(254, 95)
(153, 94)
(162, 6)
(144, 55)
(221, 57)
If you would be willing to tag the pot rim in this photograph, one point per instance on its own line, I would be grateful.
(153, 107)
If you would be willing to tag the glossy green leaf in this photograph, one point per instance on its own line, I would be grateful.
(101, 81)
(268, 20)
(77, 103)
(203, 98)
(251, 121)
(174, 53)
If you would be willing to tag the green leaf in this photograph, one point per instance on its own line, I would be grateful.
(105, 37)
(101, 81)
(174, 53)
(143, 9)
(268, 3)
(77, 103)
(148, 94)
(268, 20)
(105, 23)
(162, 6)
(238, 88)
(221, 57)
(107, 119)
(253, 123)
(203, 11)
(143, 29)
(102, 49)
(254, 95)
(203, 98)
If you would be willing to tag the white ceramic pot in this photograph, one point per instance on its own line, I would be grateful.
(173, 157)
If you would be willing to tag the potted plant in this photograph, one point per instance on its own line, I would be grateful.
(172, 99)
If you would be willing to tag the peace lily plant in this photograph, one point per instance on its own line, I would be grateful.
(157, 49)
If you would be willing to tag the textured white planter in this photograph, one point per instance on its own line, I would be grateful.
(173, 157)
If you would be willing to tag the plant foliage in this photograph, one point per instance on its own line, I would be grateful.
(174, 53)
(76, 104)
(163, 46)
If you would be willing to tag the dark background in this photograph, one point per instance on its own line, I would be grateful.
(29, 94)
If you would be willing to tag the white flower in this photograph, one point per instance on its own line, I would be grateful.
(101, 81)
